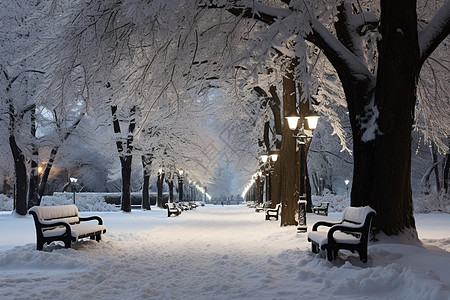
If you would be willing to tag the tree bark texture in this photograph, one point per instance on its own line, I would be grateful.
(170, 185)
(146, 163)
(382, 166)
(289, 158)
(125, 162)
(447, 170)
(145, 193)
(21, 177)
(278, 126)
(33, 184)
(125, 154)
(159, 187)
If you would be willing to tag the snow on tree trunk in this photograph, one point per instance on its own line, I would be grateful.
(382, 156)
(125, 154)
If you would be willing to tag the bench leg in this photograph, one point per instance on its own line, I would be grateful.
(98, 237)
(40, 245)
(330, 255)
(67, 243)
(314, 248)
(363, 256)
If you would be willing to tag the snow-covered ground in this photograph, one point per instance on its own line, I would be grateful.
(217, 252)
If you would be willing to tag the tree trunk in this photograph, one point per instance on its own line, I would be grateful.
(159, 186)
(289, 160)
(20, 178)
(276, 183)
(126, 183)
(447, 170)
(33, 185)
(277, 115)
(125, 155)
(145, 193)
(146, 163)
(382, 166)
(45, 174)
(170, 183)
(436, 168)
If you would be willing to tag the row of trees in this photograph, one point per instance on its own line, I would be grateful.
(155, 71)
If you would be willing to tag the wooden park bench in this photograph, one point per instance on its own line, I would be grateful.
(172, 209)
(63, 223)
(321, 209)
(273, 212)
(352, 233)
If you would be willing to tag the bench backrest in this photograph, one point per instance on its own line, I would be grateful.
(356, 215)
(170, 205)
(68, 213)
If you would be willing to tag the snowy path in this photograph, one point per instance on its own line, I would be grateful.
(213, 253)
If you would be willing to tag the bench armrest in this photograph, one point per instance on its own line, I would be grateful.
(324, 223)
(355, 228)
(99, 219)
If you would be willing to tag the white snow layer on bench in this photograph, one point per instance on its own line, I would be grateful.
(55, 212)
(321, 237)
(76, 230)
(356, 214)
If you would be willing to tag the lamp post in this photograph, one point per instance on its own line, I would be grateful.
(346, 184)
(268, 159)
(302, 139)
(73, 182)
(261, 187)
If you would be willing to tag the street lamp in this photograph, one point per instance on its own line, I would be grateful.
(268, 160)
(302, 139)
(73, 182)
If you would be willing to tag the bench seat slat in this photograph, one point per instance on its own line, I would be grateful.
(321, 237)
(76, 230)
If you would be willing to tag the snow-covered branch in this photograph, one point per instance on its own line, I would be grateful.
(435, 32)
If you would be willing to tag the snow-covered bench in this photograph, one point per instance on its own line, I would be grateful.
(352, 233)
(264, 207)
(172, 209)
(273, 212)
(63, 223)
(322, 208)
